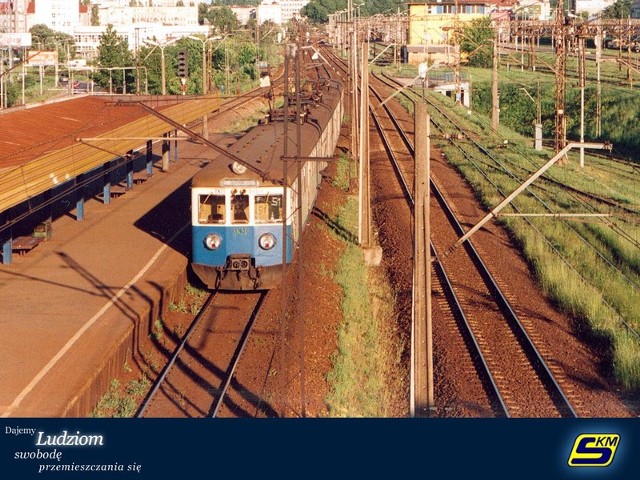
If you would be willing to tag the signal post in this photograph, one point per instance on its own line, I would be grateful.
(183, 70)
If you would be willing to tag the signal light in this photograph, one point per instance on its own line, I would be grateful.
(182, 64)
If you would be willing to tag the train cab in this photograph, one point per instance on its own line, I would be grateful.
(237, 227)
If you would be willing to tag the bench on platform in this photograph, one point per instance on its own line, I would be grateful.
(117, 191)
(22, 245)
(141, 177)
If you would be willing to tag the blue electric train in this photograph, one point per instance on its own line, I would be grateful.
(242, 211)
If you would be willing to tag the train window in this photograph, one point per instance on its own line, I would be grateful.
(240, 208)
(211, 209)
(268, 208)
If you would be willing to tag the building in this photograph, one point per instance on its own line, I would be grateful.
(56, 14)
(145, 3)
(162, 15)
(592, 7)
(430, 42)
(164, 20)
(13, 15)
(243, 13)
(160, 22)
(269, 11)
(431, 24)
(532, 10)
(291, 9)
(279, 11)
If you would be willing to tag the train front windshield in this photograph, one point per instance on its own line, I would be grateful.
(240, 208)
(267, 208)
(211, 209)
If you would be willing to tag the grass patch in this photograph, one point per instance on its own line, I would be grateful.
(196, 296)
(121, 401)
(345, 172)
(158, 329)
(360, 380)
(180, 307)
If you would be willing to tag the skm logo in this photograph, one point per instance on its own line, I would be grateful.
(594, 450)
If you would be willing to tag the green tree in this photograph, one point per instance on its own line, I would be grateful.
(113, 52)
(45, 38)
(477, 42)
(151, 59)
(234, 64)
(222, 19)
(95, 15)
(373, 7)
(316, 12)
(203, 8)
(619, 9)
(235, 2)
(194, 67)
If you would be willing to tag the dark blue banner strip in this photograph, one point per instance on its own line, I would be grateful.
(434, 448)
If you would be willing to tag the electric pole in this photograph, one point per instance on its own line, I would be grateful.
(422, 398)
(598, 42)
(364, 228)
(582, 80)
(560, 68)
(353, 77)
(495, 93)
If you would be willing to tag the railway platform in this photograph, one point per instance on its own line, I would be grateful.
(74, 306)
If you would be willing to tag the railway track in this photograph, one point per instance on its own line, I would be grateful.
(544, 193)
(449, 128)
(219, 369)
(496, 326)
(513, 374)
(199, 379)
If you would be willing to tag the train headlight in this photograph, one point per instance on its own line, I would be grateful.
(212, 241)
(267, 241)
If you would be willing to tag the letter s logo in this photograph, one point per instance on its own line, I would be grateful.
(594, 450)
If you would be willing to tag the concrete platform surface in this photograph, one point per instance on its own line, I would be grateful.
(72, 306)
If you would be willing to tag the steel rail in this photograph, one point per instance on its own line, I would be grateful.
(484, 371)
(488, 154)
(622, 320)
(161, 379)
(468, 331)
(238, 354)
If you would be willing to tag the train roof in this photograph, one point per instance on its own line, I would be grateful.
(262, 147)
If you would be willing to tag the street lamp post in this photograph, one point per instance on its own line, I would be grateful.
(162, 46)
(204, 62)
(204, 41)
